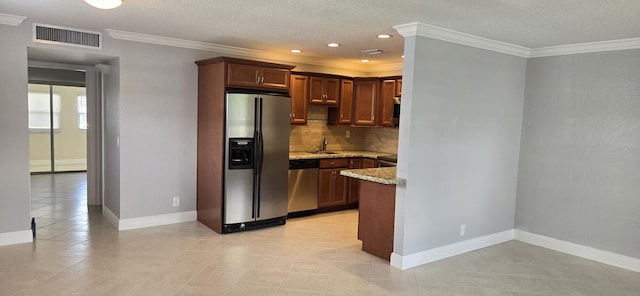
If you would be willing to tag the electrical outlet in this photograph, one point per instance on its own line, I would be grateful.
(176, 201)
(348, 134)
(462, 229)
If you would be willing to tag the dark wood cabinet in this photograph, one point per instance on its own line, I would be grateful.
(299, 93)
(354, 163)
(398, 87)
(376, 218)
(365, 105)
(215, 76)
(387, 94)
(369, 163)
(332, 187)
(344, 113)
(324, 90)
(354, 184)
(257, 77)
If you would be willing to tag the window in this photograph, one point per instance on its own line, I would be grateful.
(40, 112)
(82, 112)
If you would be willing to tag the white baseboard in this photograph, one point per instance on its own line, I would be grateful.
(16, 237)
(111, 217)
(413, 260)
(150, 221)
(601, 256)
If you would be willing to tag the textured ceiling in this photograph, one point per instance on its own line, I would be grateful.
(280, 25)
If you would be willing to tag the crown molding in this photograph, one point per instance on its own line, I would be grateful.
(435, 32)
(234, 51)
(610, 45)
(11, 20)
(406, 30)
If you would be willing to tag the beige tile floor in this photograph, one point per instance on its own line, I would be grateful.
(77, 252)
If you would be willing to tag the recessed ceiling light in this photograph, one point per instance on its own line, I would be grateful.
(104, 4)
(296, 51)
(333, 44)
(365, 61)
(384, 36)
(403, 56)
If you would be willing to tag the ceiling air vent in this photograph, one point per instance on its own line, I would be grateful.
(66, 36)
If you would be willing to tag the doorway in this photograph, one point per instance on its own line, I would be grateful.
(57, 128)
(65, 130)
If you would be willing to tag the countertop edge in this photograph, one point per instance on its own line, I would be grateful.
(295, 155)
(385, 176)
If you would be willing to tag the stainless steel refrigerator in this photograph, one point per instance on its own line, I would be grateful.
(257, 161)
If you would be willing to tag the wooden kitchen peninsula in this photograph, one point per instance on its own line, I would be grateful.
(377, 197)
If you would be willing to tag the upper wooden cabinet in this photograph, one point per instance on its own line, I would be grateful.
(365, 104)
(399, 87)
(324, 90)
(248, 74)
(344, 113)
(257, 77)
(387, 94)
(299, 94)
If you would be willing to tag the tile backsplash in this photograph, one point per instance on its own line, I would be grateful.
(309, 137)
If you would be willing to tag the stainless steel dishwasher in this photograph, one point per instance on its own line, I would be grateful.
(303, 187)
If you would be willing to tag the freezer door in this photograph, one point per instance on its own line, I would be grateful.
(238, 183)
(275, 157)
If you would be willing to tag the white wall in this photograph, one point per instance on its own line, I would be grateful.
(580, 159)
(111, 126)
(14, 132)
(158, 125)
(150, 103)
(459, 143)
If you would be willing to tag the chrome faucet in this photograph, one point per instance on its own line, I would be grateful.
(324, 144)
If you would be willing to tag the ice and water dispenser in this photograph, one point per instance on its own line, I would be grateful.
(241, 153)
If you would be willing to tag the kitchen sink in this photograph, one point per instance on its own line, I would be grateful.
(323, 152)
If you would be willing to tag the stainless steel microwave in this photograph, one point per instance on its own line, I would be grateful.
(396, 111)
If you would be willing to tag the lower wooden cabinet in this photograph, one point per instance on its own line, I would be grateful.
(332, 187)
(353, 184)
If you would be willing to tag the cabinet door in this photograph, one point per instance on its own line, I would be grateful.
(387, 92)
(325, 188)
(316, 91)
(346, 102)
(242, 75)
(324, 91)
(365, 102)
(299, 93)
(353, 184)
(369, 163)
(398, 88)
(340, 189)
(249, 76)
(274, 78)
(332, 91)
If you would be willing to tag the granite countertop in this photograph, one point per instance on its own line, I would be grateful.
(378, 175)
(336, 154)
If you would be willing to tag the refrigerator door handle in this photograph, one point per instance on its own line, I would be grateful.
(259, 161)
(256, 157)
